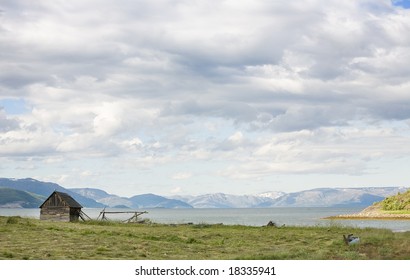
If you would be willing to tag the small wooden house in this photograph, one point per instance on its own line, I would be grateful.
(60, 206)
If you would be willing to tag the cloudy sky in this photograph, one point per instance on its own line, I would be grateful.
(201, 96)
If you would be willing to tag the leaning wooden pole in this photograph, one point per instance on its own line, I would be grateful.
(84, 216)
(101, 213)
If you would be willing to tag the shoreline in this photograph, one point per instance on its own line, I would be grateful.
(372, 213)
(362, 217)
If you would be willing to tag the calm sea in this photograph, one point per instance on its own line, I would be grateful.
(300, 216)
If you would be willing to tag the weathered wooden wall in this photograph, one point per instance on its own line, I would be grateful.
(55, 213)
(65, 214)
(74, 214)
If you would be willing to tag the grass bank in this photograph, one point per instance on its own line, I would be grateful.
(23, 238)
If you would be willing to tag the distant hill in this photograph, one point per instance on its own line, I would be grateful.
(136, 202)
(320, 197)
(97, 198)
(103, 197)
(332, 197)
(45, 189)
(222, 200)
(156, 201)
(31, 185)
(92, 193)
(11, 198)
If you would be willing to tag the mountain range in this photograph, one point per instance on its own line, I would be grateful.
(42, 190)
(29, 193)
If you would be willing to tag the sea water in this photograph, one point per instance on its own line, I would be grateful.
(288, 216)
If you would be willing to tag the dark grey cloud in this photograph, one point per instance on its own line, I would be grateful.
(202, 50)
(398, 110)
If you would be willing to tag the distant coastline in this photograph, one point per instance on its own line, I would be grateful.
(373, 212)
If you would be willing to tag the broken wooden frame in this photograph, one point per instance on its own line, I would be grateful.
(133, 219)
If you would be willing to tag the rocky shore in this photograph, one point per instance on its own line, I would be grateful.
(373, 212)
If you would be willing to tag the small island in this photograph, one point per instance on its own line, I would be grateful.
(395, 207)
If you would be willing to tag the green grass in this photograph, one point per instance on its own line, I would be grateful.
(22, 239)
(399, 202)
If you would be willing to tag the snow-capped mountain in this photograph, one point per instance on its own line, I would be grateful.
(222, 200)
(272, 195)
(321, 197)
(327, 197)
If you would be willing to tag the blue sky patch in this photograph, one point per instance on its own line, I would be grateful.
(14, 106)
(402, 3)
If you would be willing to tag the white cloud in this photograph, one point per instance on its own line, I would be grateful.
(244, 89)
(182, 176)
(176, 190)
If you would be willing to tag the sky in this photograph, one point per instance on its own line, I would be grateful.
(178, 97)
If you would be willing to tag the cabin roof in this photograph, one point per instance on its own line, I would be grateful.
(66, 197)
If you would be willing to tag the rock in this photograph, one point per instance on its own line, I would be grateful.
(350, 239)
(271, 224)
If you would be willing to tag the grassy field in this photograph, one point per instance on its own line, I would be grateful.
(23, 238)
